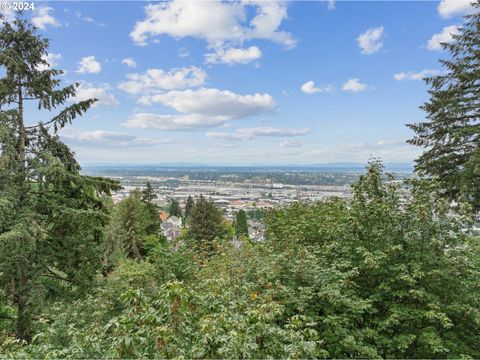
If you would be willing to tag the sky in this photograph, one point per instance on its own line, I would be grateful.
(248, 82)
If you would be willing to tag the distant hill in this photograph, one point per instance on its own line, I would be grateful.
(326, 167)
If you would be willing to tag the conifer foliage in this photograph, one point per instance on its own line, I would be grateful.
(205, 221)
(174, 208)
(241, 226)
(51, 216)
(451, 133)
(189, 206)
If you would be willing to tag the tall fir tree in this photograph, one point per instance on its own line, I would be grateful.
(51, 216)
(152, 211)
(205, 221)
(131, 215)
(189, 206)
(451, 133)
(241, 226)
(174, 208)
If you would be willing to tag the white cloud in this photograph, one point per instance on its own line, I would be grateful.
(330, 5)
(82, 17)
(108, 139)
(201, 109)
(292, 143)
(250, 133)
(88, 91)
(371, 40)
(443, 37)
(309, 88)
(42, 18)
(183, 53)
(52, 59)
(225, 136)
(218, 23)
(450, 8)
(388, 150)
(354, 85)
(188, 122)
(87, 18)
(271, 131)
(155, 80)
(214, 102)
(412, 75)
(130, 62)
(89, 65)
(233, 55)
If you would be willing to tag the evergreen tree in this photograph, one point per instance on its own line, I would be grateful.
(451, 134)
(148, 194)
(133, 223)
(241, 226)
(51, 216)
(174, 208)
(152, 212)
(205, 221)
(189, 206)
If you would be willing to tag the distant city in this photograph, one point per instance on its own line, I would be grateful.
(235, 188)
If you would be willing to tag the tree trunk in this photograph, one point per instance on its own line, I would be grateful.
(23, 313)
(21, 142)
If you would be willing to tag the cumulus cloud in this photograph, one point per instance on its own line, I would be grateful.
(42, 18)
(445, 36)
(89, 65)
(309, 88)
(214, 102)
(88, 91)
(450, 8)
(233, 23)
(371, 40)
(250, 133)
(233, 55)
(412, 75)
(52, 60)
(156, 80)
(354, 85)
(130, 62)
(201, 109)
(109, 139)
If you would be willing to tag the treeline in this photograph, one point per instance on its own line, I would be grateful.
(384, 274)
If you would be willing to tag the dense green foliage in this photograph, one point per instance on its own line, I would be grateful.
(148, 198)
(189, 207)
(205, 222)
(51, 216)
(451, 133)
(135, 223)
(174, 208)
(241, 226)
(382, 275)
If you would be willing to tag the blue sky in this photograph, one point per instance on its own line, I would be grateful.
(246, 82)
